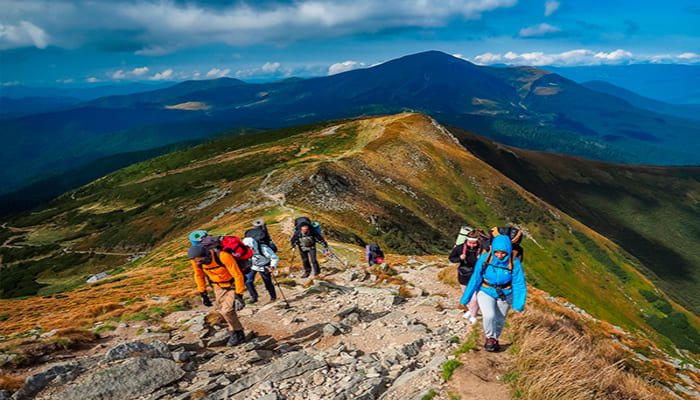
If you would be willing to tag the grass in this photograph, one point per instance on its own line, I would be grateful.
(562, 355)
(104, 328)
(10, 383)
(470, 343)
(448, 368)
(430, 395)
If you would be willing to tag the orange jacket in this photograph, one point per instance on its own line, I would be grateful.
(219, 275)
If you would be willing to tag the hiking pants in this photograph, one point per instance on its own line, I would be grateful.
(494, 313)
(267, 280)
(305, 255)
(473, 305)
(224, 300)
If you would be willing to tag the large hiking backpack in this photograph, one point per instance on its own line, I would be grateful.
(231, 245)
(258, 259)
(374, 251)
(261, 236)
(515, 235)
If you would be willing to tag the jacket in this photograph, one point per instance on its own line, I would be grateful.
(263, 256)
(311, 236)
(466, 266)
(496, 273)
(225, 277)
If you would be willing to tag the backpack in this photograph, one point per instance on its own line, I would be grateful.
(231, 245)
(258, 259)
(261, 236)
(374, 251)
(516, 236)
(484, 238)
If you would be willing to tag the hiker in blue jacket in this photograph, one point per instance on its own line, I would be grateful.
(499, 282)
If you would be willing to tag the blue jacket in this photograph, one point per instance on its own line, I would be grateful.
(497, 273)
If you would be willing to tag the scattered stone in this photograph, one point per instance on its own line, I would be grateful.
(37, 382)
(393, 300)
(330, 330)
(98, 277)
(219, 339)
(344, 313)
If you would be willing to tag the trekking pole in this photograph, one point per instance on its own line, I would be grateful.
(280, 288)
(343, 264)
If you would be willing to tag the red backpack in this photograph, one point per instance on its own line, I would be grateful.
(232, 245)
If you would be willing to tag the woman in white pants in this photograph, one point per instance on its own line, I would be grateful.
(499, 280)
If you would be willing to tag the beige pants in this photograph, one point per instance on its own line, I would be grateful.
(224, 300)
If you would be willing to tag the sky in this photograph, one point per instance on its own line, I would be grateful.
(97, 42)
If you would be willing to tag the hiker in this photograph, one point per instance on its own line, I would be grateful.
(374, 254)
(221, 269)
(264, 262)
(260, 234)
(306, 238)
(499, 283)
(466, 255)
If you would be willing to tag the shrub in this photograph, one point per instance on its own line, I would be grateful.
(449, 368)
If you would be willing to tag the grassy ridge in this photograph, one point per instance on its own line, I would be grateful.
(395, 180)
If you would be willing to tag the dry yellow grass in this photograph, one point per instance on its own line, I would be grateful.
(10, 383)
(560, 357)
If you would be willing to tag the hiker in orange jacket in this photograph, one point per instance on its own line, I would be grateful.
(226, 279)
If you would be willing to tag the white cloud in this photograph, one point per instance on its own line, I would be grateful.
(538, 30)
(119, 75)
(583, 57)
(69, 80)
(139, 71)
(218, 73)
(163, 76)
(550, 7)
(344, 67)
(23, 34)
(12, 83)
(271, 67)
(92, 79)
(164, 26)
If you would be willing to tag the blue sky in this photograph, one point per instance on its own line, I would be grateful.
(89, 42)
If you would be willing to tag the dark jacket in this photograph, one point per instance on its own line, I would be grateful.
(311, 237)
(466, 266)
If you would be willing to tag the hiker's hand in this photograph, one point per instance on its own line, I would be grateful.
(463, 257)
(326, 252)
(271, 269)
(294, 249)
(238, 303)
(205, 299)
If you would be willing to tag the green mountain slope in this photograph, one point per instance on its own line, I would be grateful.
(401, 181)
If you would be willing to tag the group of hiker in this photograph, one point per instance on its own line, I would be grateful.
(491, 275)
(490, 271)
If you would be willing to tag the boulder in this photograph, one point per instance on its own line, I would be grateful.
(154, 349)
(132, 378)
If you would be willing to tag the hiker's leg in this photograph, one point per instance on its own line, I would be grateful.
(314, 261)
(502, 307)
(488, 312)
(305, 261)
(224, 299)
(267, 279)
(473, 306)
(250, 284)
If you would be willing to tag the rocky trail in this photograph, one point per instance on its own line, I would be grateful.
(347, 335)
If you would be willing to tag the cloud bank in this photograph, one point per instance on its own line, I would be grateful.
(583, 57)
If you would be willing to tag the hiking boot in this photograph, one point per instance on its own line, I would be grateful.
(236, 338)
(496, 346)
(253, 300)
(491, 344)
(306, 274)
(472, 320)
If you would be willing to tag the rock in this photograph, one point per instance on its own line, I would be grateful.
(133, 378)
(4, 395)
(183, 356)
(49, 334)
(37, 382)
(352, 319)
(269, 396)
(331, 286)
(219, 339)
(7, 358)
(330, 330)
(344, 313)
(150, 336)
(393, 300)
(350, 275)
(154, 349)
(373, 291)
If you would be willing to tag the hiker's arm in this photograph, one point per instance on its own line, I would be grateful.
(519, 286)
(199, 277)
(454, 256)
(295, 239)
(274, 258)
(474, 281)
(235, 272)
(320, 239)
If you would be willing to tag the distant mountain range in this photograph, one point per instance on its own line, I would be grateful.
(670, 83)
(525, 107)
